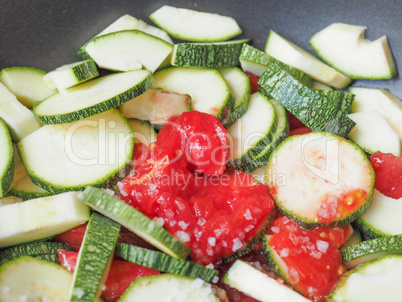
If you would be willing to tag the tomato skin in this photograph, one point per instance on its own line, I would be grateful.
(73, 238)
(294, 122)
(121, 274)
(253, 81)
(388, 173)
(299, 131)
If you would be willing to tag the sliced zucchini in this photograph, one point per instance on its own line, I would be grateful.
(374, 281)
(208, 89)
(354, 239)
(319, 85)
(258, 285)
(382, 100)
(369, 250)
(93, 97)
(240, 87)
(213, 55)
(26, 84)
(254, 130)
(383, 218)
(293, 55)
(323, 173)
(343, 47)
(156, 106)
(143, 131)
(26, 189)
(40, 218)
(164, 263)
(19, 119)
(259, 174)
(9, 200)
(135, 221)
(195, 26)
(373, 133)
(94, 258)
(70, 75)
(127, 50)
(69, 157)
(19, 169)
(32, 279)
(6, 159)
(127, 22)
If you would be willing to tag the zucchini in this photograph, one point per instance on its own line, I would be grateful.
(40, 218)
(127, 50)
(164, 263)
(207, 88)
(259, 174)
(195, 26)
(343, 47)
(6, 159)
(295, 56)
(93, 97)
(240, 87)
(156, 106)
(32, 279)
(374, 281)
(72, 156)
(354, 239)
(373, 133)
(9, 200)
(245, 278)
(70, 75)
(143, 131)
(369, 250)
(134, 221)
(26, 84)
(317, 109)
(319, 85)
(383, 218)
(323, 172)
(254, 130)
(212, 55)
(94, 258)
(26, 189)
(19, 119)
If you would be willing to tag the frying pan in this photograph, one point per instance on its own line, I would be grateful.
(47, 33)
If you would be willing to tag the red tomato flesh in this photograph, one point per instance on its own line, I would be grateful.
(253, 81)
(299, 131)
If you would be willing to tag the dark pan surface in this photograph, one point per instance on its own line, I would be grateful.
(47, 33)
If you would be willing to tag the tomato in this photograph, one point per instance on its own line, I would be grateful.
(253, 81)
(121, 274)
(314, 265)
(388, 173)
(337, 235)
(299, 131)
(294, 122)
(73, 238)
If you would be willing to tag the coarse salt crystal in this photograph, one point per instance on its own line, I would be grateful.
(315, 254)
(210, 266)
(248, 215)
(322, 246)
(159, 221)
(275, 229)
(249, 228)
(284, 252)
(183, 225)
(215, 279)
(120, 187)
(201, 221)
(183, 236)
(211, 241)
(236, 244)
(310, 246)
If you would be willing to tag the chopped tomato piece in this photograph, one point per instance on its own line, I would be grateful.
(294, 122)
(73, 238)
(120, 276)
(299, 131)
(253, 81)
(337, 235)
(388, 173)
(314, 265)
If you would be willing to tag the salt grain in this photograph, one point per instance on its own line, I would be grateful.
(236, 244)
(322, 246)
(183, 236)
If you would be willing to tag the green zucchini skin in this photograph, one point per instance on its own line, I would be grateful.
(7, 154)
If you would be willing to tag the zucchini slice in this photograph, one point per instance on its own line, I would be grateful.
(93, 97)
(245, 278)
(69, 157)
(6, 159)
(143, 131)
(369, 250)
(383, 218)
(195, 26)
(207, 88)
(32, 279)
(329, 180)
(40, 218)
(26, 84)
(378, 280)
(26, 189)
(354, 239)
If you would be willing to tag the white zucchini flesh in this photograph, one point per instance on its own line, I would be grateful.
(195, 26)
(258, 285)
(26, 84)
(6, 159)
(72, 156)
(374, 281)
(40, 218)
(259, 174)
(19, 119)
(373, 133)
(384, 215)
(32, 279)
(143, 131)
(319, 85)
(127, 50)
(343, 46)
(293, 55)
(239, 85)
(169, 288)
(307, 170)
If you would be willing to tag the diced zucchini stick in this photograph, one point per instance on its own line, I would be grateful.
(293, 55)
(26, 84)
(6, 159)
(344, 47)
(319, 85)
(195, 26)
